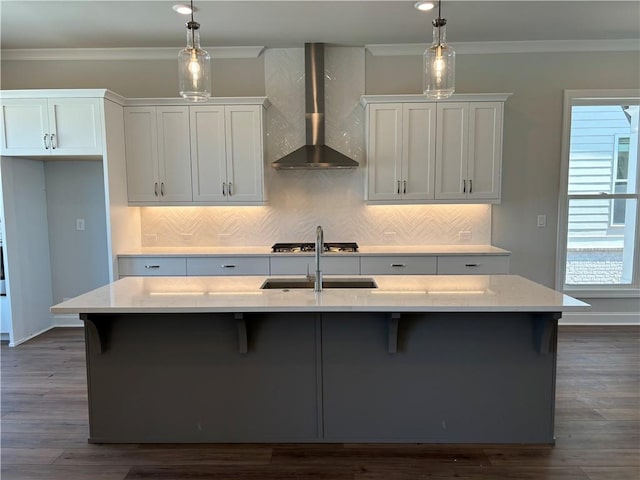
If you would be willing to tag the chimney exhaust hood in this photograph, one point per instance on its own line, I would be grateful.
(315, 154)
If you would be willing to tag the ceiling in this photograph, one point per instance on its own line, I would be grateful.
(134, 23)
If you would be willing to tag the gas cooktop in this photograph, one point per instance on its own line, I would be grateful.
(311, 247)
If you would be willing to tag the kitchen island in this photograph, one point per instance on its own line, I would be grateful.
(448, 359)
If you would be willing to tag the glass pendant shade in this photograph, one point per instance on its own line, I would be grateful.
(439, 68)
(194, 68)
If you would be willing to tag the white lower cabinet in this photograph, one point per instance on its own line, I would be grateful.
(473, 265)
(398, 265)
(301, 265)
(151, 266)
(227, 266)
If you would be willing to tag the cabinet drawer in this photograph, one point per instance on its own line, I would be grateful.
(228, 266)
(473, 265)
(396, 265)
(152, 266)
(329, 265)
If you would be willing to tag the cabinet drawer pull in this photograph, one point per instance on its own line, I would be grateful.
(152, 266)
(471, 264)
(228, 266)
(46, 145)
(401, 265)
(53, 141)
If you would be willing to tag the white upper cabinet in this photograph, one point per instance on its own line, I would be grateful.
(227, 154)
(158, 154)
(51, 126)
(401, 152)
(469, 151)
(434, 152)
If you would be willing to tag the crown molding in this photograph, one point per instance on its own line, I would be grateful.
(534, 46)
(143, 53)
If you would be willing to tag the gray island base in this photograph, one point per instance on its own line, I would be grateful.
(426, 370)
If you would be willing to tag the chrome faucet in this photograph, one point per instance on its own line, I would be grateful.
(319, 249)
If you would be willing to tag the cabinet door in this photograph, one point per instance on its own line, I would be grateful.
(174, 154)
(303, 264)
(75, 126)
(418, 151)
(24, 126)
(227, 266)
(208, 153)
(245, 169)
(141, 146)
(384, 156)
(452, 151)
(485, 150)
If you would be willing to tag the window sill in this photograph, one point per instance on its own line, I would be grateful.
(630, 292)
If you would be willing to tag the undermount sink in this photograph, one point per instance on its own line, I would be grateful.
(288, 283)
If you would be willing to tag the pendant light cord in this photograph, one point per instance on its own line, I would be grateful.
(193, 32)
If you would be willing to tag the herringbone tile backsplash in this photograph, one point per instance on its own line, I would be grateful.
(300, 200)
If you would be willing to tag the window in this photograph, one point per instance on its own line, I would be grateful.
(598, 211)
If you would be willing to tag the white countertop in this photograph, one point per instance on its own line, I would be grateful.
(397, 293)
(373, 250)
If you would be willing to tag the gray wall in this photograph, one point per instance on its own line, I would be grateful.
(133, 78)
(75, 189)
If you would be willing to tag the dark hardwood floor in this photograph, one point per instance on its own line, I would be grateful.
(44, 428)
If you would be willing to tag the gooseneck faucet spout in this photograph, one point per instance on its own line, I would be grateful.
(319, 249)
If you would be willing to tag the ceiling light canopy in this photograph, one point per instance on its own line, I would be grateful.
(439, 66)
(194, 66)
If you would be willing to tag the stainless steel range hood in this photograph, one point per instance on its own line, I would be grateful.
(315, 154)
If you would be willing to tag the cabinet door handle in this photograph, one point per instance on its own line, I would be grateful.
(400, 265)
(155, 189)
(230, 189)
(162, 189)
(53, 141)
(152, 266)
(228, 265)
(471, 264)
(398, 192)
(464, 186)
(46, 145)
(470, 186)
(405, 187)
(224, 189)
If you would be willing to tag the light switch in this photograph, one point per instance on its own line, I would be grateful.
(80, 224)
(542, 221)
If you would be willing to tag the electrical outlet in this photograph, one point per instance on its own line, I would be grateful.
(464, 235)
(223, 238)
(542, 221)
(389, 237)
(186, 237)
(79, 224)
(149, 239)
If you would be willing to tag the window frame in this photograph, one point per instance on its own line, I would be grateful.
(614, 177)
(592, 97)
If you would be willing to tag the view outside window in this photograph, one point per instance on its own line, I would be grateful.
(602, 195)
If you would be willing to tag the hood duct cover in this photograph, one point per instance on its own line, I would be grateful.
(315, 154)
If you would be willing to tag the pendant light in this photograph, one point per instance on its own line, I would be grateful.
(194, 66)
(439, 66)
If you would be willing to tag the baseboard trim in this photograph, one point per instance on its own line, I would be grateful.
(69, 320)
(600, 318)
(22, 340)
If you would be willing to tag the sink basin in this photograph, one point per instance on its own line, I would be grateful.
(288, 283)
